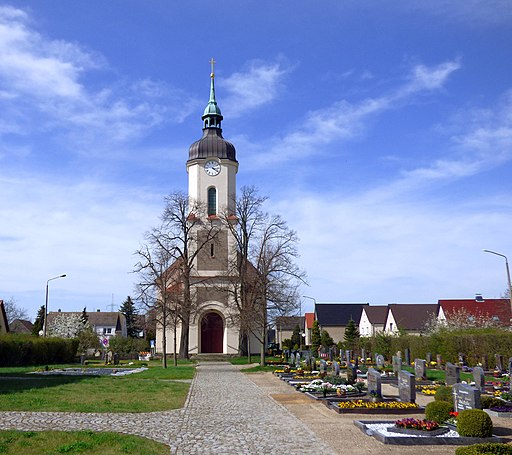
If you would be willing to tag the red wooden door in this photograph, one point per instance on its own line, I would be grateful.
(212, 333)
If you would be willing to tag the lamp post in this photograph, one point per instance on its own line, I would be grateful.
(508, 274)
(46, 303)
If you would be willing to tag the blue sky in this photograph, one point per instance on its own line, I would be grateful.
(382, 131)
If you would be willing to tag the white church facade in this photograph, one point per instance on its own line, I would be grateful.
(212, 168)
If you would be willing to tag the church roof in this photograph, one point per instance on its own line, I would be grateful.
(212, 144)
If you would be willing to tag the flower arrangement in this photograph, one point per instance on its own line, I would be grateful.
(453, 418)
(427, 389)
(355, 404)
(318, 386)
(416, 424)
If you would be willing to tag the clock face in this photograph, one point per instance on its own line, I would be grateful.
(212, 168)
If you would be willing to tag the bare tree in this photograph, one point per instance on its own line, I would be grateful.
(267, 278)
(168, 263)
(14, 311)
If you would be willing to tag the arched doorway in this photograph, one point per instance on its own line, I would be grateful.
(212, 333)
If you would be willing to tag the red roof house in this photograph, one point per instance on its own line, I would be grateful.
(478, 312)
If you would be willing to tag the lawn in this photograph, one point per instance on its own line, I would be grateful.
(156, 389)
(76, 442)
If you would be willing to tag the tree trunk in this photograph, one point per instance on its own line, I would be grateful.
(175, 354)
(184, 341)
(164, 345)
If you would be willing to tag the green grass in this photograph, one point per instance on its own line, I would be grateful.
(76, 442)
(156, 389)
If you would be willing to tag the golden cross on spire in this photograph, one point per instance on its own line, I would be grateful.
(212, 62)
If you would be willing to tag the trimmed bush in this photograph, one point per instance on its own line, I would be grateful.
(474, 423)
(438, 411)
(489, 402)
(444, 393)
(491, 448)
(21, 350)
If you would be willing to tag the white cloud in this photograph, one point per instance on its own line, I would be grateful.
(256, 86)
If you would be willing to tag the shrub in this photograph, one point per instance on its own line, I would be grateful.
(474, 423)
(489, 402)
(438, 411)
(444, 393)
(491, 448)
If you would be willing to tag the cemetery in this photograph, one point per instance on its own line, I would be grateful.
(457, 401)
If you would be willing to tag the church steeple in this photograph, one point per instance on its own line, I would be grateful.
(212, 144)
(212, 115)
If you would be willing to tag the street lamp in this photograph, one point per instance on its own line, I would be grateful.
(46, 302)
(508, 274)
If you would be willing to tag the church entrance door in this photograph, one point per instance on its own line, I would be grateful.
(212, 333)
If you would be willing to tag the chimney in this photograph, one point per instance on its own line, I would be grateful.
(479, 298)
(59, 310)
(98, 310)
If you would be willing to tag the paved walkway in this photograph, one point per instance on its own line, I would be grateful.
(225, 412)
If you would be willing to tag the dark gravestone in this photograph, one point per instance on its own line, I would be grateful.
(323, 366)
(420, 368)
(313, 363)
(292, 359)
(374, 382)
(479, 378)
(331, 354)
(379, 361)
(407, 356)
(351, 374)
(452, 374)
(397, 364)
(336, 368)
(485, 362)
(406, 386)
(499, 362)
(439, 361)
(465, 397)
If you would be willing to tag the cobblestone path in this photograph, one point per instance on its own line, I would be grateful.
(225, 413)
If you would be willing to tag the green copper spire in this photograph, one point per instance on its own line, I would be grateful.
(212, 115)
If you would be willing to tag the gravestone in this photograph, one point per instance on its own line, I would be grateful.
(331, 354)
(408, 357)
(429, 358)
(292, 359)
(439, 361)
(363, 355)
(348, 356)
(485, 362)
(465, 397)
(297, 359)
(313, 363)
(351, 373)
(379, 361)
(420, 368)
(499, 362)
(479, 378)
(452, 374)
(397, 364)
(374, 382)
(406, 386)
(323, 366)
(336, 368)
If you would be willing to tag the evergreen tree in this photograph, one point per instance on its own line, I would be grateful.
(326, 339)
(316, 339)
(39, 322)
(130, 313)
(296, 337)
(351, 333)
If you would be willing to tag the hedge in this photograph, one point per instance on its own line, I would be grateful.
(22, 350)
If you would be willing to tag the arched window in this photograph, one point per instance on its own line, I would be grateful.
(212, 201)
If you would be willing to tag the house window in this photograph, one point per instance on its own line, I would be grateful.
(390, 326)
(212, 201)
(212, 250)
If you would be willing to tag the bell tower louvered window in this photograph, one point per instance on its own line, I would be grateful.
(212, 201)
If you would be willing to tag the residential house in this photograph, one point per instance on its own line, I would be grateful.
(478, 311)
(4, 326)
(21, 326)
(372, 320)
(309, 318)
(334, 317)
(285, 325)
(411, 318)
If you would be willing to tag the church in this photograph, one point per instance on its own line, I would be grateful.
(212, 168)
